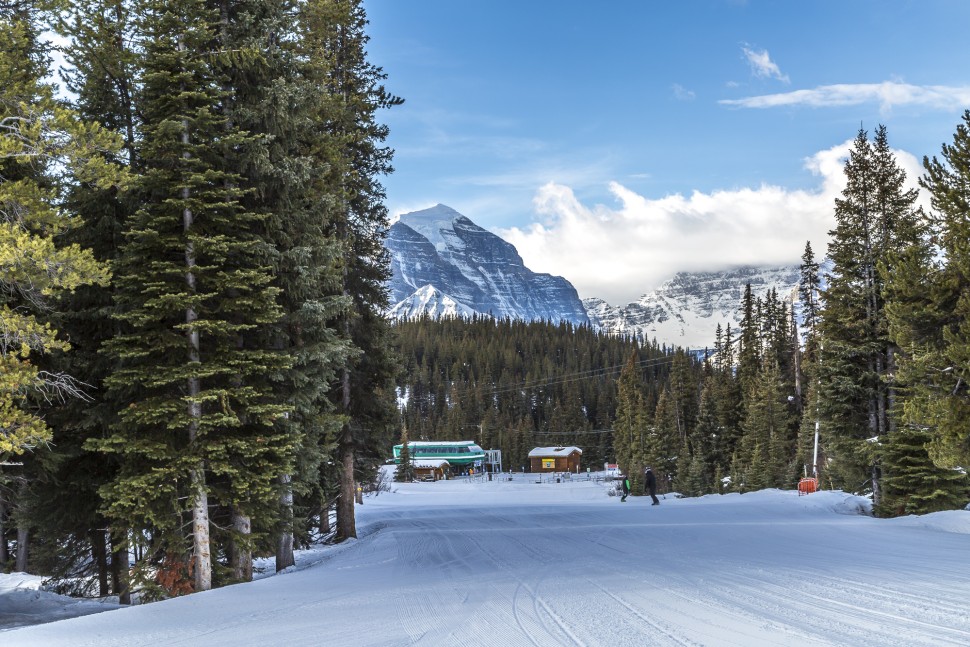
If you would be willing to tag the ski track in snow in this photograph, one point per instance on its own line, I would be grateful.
(543, 565)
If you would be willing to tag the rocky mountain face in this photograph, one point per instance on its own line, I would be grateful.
(686, 310)
(444, 264)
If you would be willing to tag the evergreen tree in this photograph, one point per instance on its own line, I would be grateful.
(749, 344)
(927, 307)
(405, 468)
(43, 148)
(913, 484)
(663, 443)
(726, 398)
(335, 38)
(768, 446)
(628, 427)
(874, 218)
(697, 475)
(809, 285)
(191, 285)
(79, 545)
(946, 392)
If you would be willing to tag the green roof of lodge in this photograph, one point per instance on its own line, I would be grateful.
(456, 452)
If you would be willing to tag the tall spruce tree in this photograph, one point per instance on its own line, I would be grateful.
(191, 285)
(65, 506)
(278, 96)
(947, 182)
(629, 428)
(874, 217)
(809, 287)
(809, 284)
(927, 284)
(357, 158)
(44, 147)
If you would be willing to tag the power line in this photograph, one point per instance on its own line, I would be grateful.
(558, 380)
(576, 433)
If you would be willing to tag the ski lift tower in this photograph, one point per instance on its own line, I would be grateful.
(493, 458)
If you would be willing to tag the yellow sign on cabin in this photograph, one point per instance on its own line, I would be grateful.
(549, 463)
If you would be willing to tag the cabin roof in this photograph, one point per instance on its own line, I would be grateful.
(430, 462)
(540, 452)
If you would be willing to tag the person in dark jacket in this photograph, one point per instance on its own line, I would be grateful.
(625, 486)
(650, 483)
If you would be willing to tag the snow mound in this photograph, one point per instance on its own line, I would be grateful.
(24, 602)
(955, 521)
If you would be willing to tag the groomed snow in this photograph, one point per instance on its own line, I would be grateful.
(517, 562)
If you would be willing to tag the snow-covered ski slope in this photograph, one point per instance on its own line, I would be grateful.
(522, 563)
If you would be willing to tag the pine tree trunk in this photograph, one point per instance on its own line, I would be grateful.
(99, 553)
(284, 544)
(881, 397)
(23, 539)
(120, 582)
(4, 554)
(876, 488)
(891, 389)
(242, 554)
(202, 559)
(325, 527)
(346, 523)
(872, 403)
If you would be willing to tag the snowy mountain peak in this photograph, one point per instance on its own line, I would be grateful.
(478, 271)
(436, 223)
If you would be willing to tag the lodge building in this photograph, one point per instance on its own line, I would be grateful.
(555, 459)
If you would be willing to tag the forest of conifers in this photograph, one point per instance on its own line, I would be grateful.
(195, 368)
(877, 361)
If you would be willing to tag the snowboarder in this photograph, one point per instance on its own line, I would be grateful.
(625, 486)
(650, 484)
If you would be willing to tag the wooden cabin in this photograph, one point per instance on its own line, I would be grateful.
(431, 469)
(555, 459)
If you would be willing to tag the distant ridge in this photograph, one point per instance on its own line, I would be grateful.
(686, 310)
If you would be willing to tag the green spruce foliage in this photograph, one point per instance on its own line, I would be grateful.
(192, 285)
(875, 217)
(913, 483)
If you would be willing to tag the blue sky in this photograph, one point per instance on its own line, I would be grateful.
(616, 143)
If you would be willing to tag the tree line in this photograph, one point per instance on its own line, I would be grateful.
(872, 354)
(195, 369)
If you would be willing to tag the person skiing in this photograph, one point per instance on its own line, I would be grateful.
(625, 486)
(650, 484)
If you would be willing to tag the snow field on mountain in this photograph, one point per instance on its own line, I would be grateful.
(476, 562)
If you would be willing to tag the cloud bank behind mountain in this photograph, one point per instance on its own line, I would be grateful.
(617, 253)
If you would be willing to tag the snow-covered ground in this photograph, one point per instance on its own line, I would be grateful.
(520, 563)
(24, 602)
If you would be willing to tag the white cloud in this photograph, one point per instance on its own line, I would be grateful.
(683, 94)
(618, 254)
(762, 66)
(887, 94)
